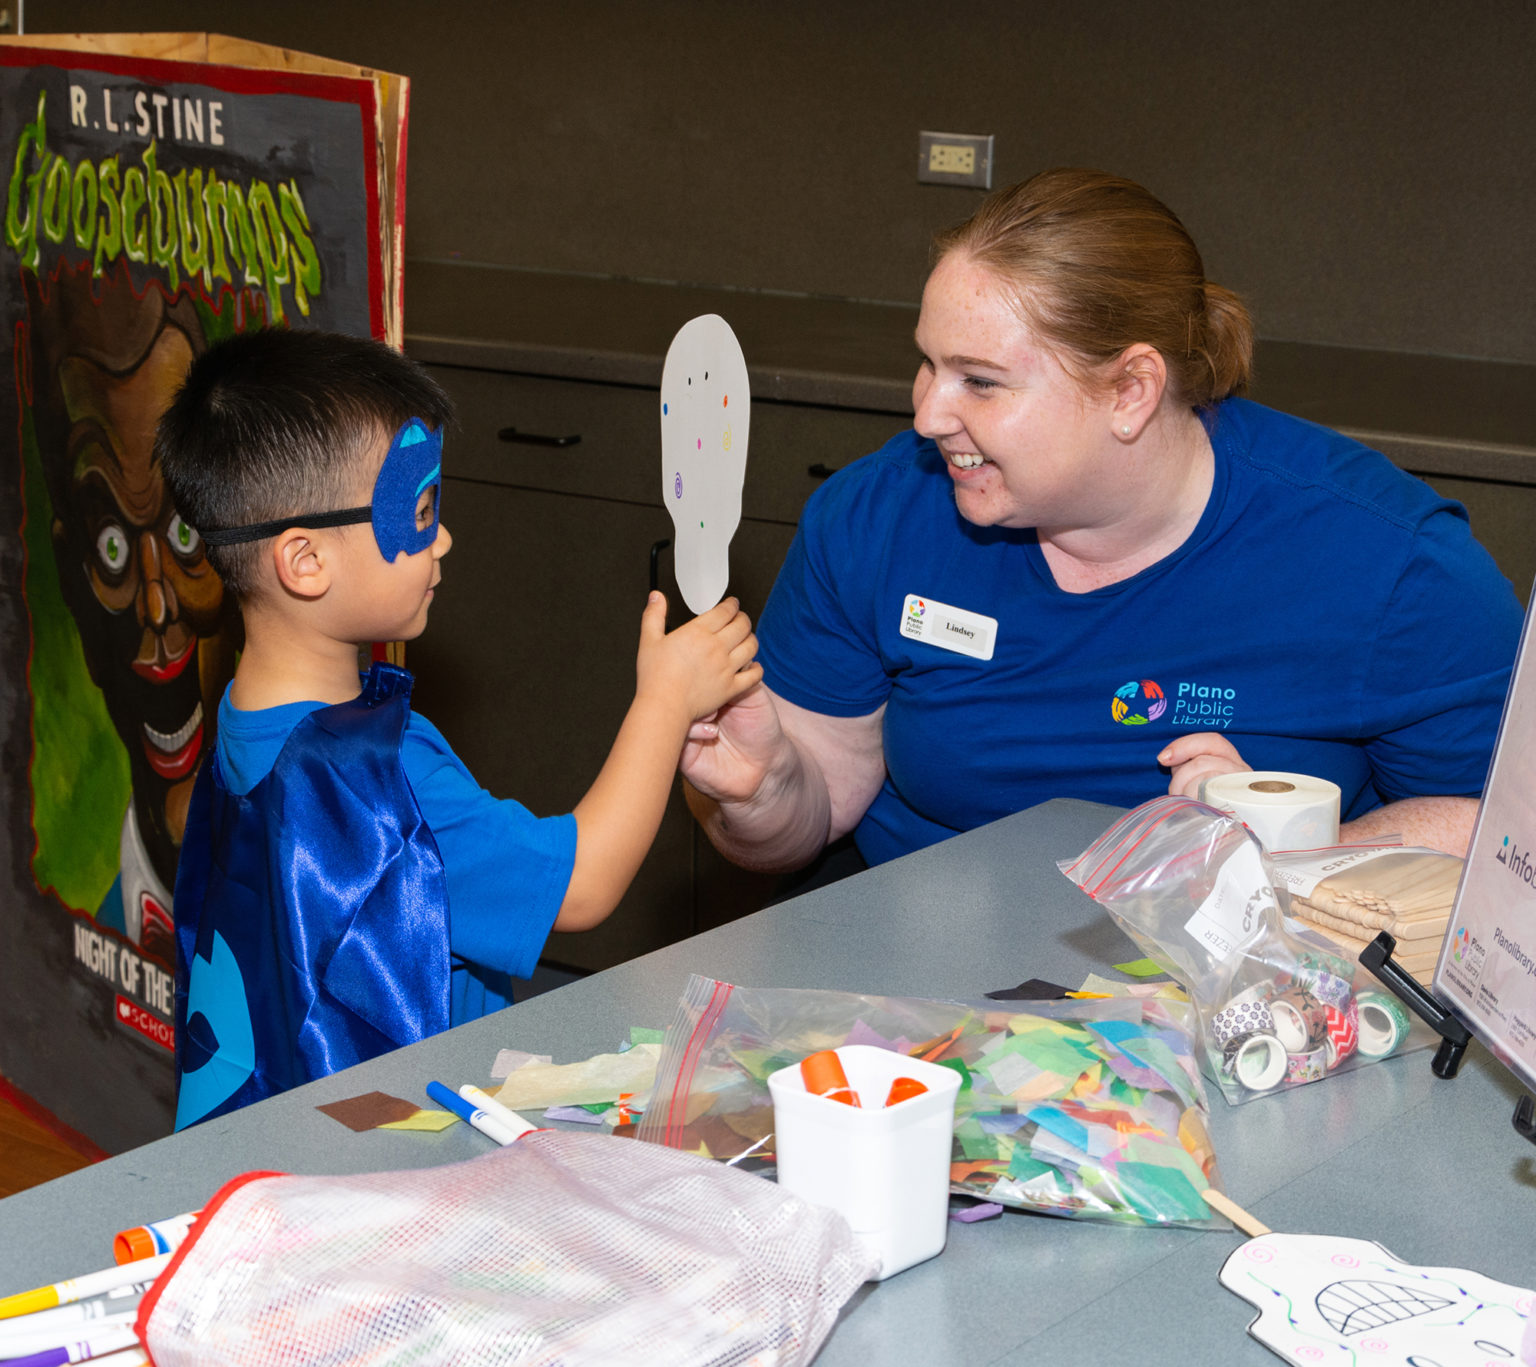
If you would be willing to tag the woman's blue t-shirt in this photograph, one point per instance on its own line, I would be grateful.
(1329, 614)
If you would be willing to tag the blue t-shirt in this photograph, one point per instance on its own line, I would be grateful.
(1329, 614)
(507, 870)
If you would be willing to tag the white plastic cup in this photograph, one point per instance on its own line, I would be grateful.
(885, 1169)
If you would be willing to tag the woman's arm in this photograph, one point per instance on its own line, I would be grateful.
(772, 783)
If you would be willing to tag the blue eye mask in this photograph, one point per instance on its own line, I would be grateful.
(412, 465)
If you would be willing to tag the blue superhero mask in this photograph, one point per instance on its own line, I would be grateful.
(413, 464)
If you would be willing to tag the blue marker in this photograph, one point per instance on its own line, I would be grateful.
(488, 1125)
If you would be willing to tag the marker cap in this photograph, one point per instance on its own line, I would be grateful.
(824, 1076)
(904, 1089)
(129, 1245)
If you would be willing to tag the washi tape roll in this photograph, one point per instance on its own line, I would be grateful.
(1383, 1023)
(1301, 1021)
(1307, 1067)
(1343, 1033)
(1256, 1061)
(1286, 811)
(1245, 1013)
(1329, 988)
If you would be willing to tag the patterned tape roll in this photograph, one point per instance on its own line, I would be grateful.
(1331, 990)
(1245, 1013)
(1307, 1067)
(1343, 1033)
(1257, 1061)
(1300, 1020)
(1383, 1023)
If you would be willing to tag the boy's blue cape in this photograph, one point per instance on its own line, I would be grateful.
(311, 913)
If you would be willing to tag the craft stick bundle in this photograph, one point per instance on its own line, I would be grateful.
(1408, 893)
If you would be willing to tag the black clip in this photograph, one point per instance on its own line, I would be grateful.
(1454, 1036)
(1525, 1118)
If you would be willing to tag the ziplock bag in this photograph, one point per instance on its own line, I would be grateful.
(560, 1249)
(1091, 1109)
(1277, 1007)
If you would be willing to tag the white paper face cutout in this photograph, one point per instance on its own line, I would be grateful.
(1325, 1300)
(705, 411)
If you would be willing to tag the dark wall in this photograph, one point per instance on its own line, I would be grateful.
(1363, 171)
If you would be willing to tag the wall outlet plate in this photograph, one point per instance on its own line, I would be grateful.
(955, 159)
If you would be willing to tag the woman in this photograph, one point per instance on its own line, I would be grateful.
(1090, 571)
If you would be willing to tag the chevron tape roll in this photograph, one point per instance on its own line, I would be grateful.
(1343, 1033)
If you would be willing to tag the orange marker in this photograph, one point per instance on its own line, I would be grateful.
(824, 1076)
(904, 1089)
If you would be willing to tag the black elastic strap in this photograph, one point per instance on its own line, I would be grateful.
(259, 531)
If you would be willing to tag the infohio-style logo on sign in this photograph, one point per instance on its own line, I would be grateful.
(1138, 702)
(1518, 862)
(1461, 943)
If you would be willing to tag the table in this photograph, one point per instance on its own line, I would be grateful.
(1431, 1169)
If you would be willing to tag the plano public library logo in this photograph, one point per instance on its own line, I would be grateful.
(1138, 702)
(1211, 707)
(1518, 862)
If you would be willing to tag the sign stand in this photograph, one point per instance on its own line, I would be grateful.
(1485, 980)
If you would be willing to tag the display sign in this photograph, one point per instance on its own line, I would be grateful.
(163, 191)
(1487, 968)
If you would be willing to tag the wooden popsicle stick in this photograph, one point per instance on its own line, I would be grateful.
(1224, 1205)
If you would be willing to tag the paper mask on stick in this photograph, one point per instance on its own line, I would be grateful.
(1334, 1300)
(705, 410)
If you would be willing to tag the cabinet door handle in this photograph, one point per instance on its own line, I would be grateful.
(820, 471)
(657, 547)
(536, 438)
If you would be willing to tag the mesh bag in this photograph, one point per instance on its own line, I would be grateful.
(560, 1249)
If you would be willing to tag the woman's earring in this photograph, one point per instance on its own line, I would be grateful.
(1126, 431)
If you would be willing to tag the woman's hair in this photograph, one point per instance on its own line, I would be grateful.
(1095, 264)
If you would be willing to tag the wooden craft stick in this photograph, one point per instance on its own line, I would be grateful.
(1223, 1205)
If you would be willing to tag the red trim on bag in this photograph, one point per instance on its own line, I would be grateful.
(152, 1296)
(683, 1084)
(1131, 848)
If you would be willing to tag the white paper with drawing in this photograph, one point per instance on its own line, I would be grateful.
(705, 413)
(1330, 1300)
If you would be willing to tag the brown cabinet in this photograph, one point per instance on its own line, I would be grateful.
(528, 664)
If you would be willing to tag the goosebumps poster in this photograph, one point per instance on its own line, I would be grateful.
(162, 192)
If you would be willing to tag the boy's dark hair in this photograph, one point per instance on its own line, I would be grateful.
(277, 423)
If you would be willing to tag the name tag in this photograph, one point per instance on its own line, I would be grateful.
(949, 628)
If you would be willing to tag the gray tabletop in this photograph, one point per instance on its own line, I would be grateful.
(1430, 1169)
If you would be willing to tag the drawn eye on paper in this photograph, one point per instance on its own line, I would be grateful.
(706, 408)
(1382, 1310)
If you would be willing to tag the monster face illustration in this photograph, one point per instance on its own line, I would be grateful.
(1328, 1299)
(705, 411)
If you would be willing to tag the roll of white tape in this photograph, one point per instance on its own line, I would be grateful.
(1285, 811)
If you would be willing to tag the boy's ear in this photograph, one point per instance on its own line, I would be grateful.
(300, 561)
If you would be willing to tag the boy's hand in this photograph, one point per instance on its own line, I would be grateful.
(702, 665)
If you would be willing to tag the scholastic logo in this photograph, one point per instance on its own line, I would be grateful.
(1518, 862)
(136, 1018)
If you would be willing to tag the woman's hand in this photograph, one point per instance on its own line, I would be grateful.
(772, 783)
(1197, 757)
(728, 753)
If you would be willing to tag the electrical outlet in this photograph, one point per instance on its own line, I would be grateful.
(955, 159)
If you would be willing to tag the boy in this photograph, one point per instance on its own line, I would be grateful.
(345, 887)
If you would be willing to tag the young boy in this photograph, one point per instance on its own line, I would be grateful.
(345, 887)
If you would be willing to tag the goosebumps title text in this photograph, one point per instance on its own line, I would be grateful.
(192, 222)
